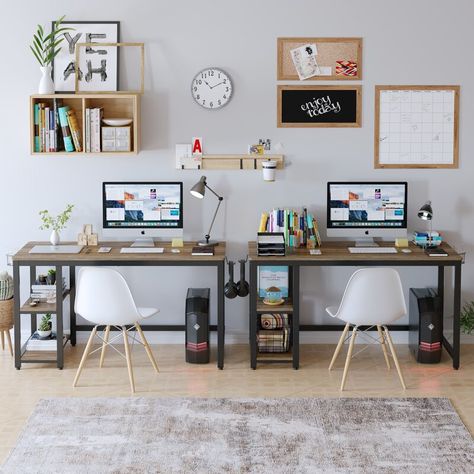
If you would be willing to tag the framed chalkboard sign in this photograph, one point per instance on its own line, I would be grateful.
(319, 106)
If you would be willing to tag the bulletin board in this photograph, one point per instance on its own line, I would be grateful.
(416, 127)
(342, 55)
(319, 106)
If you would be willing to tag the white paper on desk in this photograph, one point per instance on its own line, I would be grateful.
(304, 60)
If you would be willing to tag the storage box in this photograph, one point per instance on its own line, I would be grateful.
(117, 138)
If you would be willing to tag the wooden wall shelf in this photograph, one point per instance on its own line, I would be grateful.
(115, 105)
(239, 162)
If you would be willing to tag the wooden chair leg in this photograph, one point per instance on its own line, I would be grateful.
(3, 340)
(339, 346)
(395, 358)
(9, 340)
(104, 346)
(84, 356)
(348, 358)
(147, 347)
(129, 358)
(384, 347)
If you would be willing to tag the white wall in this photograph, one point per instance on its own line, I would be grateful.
(405, 42)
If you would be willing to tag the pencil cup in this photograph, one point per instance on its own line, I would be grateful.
(269, 168)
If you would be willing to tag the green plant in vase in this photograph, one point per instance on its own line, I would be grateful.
(51, 277)
(56, 223)
(45, 325)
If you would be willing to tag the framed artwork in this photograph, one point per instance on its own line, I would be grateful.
(416, 127)
(99, 66)
(319, 106)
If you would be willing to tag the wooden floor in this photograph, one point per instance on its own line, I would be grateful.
(368, 376)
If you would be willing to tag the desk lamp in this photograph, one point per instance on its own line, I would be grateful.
(426, 213)
(198, 191)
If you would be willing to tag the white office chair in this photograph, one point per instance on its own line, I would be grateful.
(373, 297)
(104, 298)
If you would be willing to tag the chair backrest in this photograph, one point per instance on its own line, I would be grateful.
(103, 297)
(373, 296)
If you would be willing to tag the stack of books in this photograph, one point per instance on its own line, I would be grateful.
(274, 333)
(423, 238)
(299, 229)
(36, 343)
(93, 128)
(43, 293)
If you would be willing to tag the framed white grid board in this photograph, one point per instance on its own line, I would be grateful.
(416, 127)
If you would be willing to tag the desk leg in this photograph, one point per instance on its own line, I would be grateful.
(72, 301)
(220, 315)
(457, 316)
(33, 317)
(296, 316)
(16, 311)
(253, 314)
(59, 317)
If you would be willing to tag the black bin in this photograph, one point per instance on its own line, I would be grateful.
(426, 325)
(197, 326)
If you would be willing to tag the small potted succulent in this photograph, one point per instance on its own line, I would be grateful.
(51, 276)
(56, 223)
(44, 328)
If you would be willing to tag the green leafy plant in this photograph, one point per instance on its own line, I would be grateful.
(45, 323)
(52, 272)
(467, 318)
(58, 222)
(46, 47)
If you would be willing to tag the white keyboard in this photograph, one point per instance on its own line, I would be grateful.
(372, 250)
(142, 250)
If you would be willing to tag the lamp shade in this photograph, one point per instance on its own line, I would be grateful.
(199, 189)
(426, 211)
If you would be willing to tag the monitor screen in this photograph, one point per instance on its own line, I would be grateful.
(367, 205)
(152, 205)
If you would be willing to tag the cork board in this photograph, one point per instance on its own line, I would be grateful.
(416, 127)
(329, 52)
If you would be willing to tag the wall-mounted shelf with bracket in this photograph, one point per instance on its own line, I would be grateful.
(239, 162)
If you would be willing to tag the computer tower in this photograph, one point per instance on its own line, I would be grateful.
(197, 326)
(426, 325)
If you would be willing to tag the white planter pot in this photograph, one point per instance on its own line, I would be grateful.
(269, 168)
(46, 84)
(54, 238)
(44, 333)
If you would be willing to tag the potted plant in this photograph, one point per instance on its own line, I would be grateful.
(56, 223)
(467, 318)
(45, 48)
(44, 328)
(51, 277)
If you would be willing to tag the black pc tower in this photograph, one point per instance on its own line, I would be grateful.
(426, 325)
(197, 326)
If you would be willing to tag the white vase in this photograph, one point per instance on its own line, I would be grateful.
(46, 84)
(54, 238)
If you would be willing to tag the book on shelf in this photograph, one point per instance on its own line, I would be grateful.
(93, 129)
(75, 130)
(36, 113)
(58, 138)
(37, 343)
(274, 340)
(65, 130)
(299, 229)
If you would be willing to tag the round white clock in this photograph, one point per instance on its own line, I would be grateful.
(212, 88)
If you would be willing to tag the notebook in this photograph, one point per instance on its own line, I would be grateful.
(56, 249)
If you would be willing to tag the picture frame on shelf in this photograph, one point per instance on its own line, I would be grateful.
(100, 64)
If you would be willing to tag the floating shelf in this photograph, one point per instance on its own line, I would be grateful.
(239, 162)
(286, 307)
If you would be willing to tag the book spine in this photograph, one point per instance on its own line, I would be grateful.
(36, 124)
(68, 143)
(46, 129)
(57, 127)
(97, 130)
(74, 127)
(52, 145)
(88, 130)
(41, 127)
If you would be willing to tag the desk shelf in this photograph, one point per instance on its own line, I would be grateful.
(40, 308)
(286, 307)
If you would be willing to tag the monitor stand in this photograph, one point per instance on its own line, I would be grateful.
(143, 242)
(366, 242)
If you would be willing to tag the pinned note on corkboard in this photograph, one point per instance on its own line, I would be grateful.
(319, 59)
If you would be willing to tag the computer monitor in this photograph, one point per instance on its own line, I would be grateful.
(142, 210)
(363, 210)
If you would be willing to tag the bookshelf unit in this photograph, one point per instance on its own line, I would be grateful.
(114, 106)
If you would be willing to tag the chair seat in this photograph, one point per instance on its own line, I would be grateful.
(147, 312)
(332, 310)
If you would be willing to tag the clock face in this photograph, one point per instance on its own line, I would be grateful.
(212, 88)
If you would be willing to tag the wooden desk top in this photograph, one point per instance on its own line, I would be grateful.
(338, 253)
(90, 254)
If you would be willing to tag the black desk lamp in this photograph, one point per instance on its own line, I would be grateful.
(198, 191)
(426, 213)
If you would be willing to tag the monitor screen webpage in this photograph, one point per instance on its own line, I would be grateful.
(365, 205)
(143, 205)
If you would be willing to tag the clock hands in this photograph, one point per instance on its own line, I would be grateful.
(207, 83)
(212, 87)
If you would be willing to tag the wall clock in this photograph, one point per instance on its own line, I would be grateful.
(212, 88)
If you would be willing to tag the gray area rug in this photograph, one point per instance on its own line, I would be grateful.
(306, 435)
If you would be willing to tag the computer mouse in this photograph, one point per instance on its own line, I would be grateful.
(406, 250)
(175, 250)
